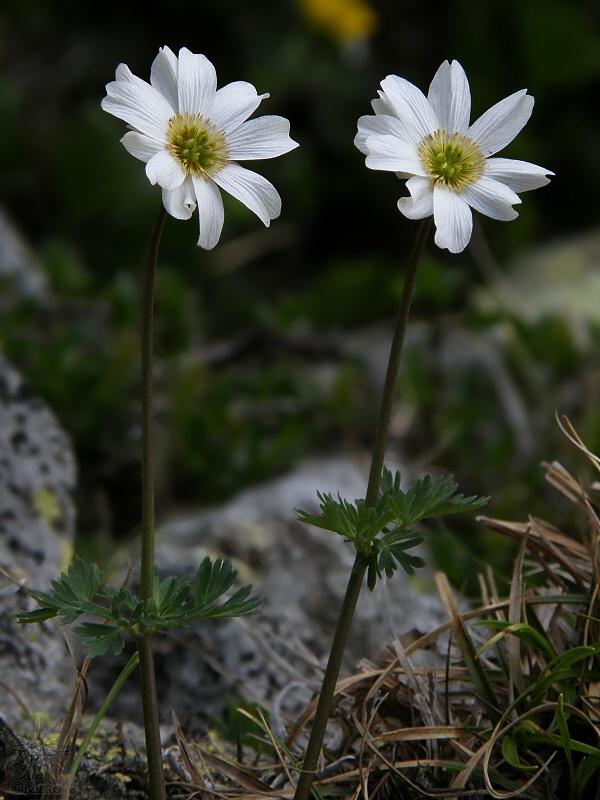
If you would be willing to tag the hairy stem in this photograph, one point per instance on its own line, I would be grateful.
(338, 645)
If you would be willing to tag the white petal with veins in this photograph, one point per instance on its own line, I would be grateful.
(453, 220)
(180, 202)
(428, 140)
(165, 170)
(250, 188)
(210, 212)
(521, 176)
(191, 134)
(450, 97)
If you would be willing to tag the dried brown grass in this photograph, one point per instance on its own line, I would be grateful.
(502, 700)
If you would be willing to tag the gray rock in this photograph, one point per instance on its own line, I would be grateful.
(303, 571)
(37, 517)
(114, 766)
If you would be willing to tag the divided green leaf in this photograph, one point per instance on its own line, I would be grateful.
(388, 553)
(212, 580)
(97, 637)
(354, 521)
(175, 602)
(427, 499)
(381, 534)
(70, 596)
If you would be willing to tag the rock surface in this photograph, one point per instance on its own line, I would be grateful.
(303, 572)
(37, 518)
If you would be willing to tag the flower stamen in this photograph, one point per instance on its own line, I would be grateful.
(451, 159)
(198, 145)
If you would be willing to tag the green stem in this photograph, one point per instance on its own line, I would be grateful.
(391, 378)
(114, 691)
(340, 637)
(144, 642)
(156, 775)
(147, 558)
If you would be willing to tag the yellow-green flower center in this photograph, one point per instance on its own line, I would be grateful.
(451, 159)
(197, 144)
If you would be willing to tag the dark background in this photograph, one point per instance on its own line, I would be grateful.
(245, 332)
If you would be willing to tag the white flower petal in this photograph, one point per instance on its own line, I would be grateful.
(187, 84)
(264, 137)
(251, 189)
(381, 105)
(492, 198)
(180, 202)
(163, 75)
(502, 122)
(392, 154)
(138, 104)
(420, 204)
(396, 148)
(233, 105)
(453, 220)
(197, 83)
(450, 97)
(165, 170)
(370, 125)
(141, 146)
(412, 108)
(210, 210)
(521, 176)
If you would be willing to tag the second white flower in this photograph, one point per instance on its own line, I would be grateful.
(429, 141)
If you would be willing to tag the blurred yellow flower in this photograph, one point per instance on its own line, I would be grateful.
(343, 19)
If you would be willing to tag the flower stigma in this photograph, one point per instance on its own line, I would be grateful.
(197, 144)
(451, 159)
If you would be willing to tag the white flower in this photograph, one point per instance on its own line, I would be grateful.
(191, 136)
(447, 161)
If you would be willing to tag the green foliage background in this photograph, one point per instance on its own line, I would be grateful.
(245, 332)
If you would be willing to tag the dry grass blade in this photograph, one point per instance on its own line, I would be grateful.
(65, 747)
(561, 479)
(567, 428)
(558, 554)
(448, 714)
(417, 733)
(275, 744)
(185, 753)
(461, 779)
(467, 649)
(497, 733)
(364, 769)
(516, 613)
(235, 772)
